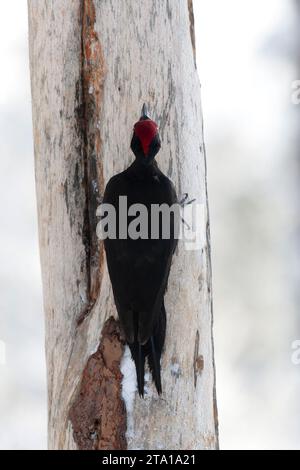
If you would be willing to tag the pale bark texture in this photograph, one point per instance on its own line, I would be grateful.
(93, 65)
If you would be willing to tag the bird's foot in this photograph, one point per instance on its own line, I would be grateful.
(184, 201)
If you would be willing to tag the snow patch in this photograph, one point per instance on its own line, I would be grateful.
(148, 388)
(129, 388)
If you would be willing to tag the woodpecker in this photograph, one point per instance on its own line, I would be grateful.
(139, 268)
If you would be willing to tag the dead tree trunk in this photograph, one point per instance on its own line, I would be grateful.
(93, 64)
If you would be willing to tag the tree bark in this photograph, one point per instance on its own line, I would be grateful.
(93, 64)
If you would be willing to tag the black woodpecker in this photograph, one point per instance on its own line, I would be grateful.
(139, 268)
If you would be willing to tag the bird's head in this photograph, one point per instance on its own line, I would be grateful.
(145, 142)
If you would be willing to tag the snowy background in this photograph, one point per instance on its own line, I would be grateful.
(248, 57)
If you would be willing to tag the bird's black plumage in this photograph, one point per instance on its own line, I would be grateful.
(139, 268)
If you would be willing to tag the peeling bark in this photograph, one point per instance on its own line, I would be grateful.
(91, 93)
(98, 414)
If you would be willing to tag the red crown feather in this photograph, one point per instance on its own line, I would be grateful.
(146, 130)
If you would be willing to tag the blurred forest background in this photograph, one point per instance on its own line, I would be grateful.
(248, 57)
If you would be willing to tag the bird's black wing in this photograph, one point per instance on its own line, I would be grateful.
(139, 269)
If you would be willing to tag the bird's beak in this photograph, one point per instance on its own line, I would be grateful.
(144, 114)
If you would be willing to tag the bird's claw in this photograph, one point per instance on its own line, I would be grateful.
(184, 200)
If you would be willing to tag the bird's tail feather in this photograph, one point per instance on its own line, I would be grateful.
(138, 355)
(154, 364)
(153, 350)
